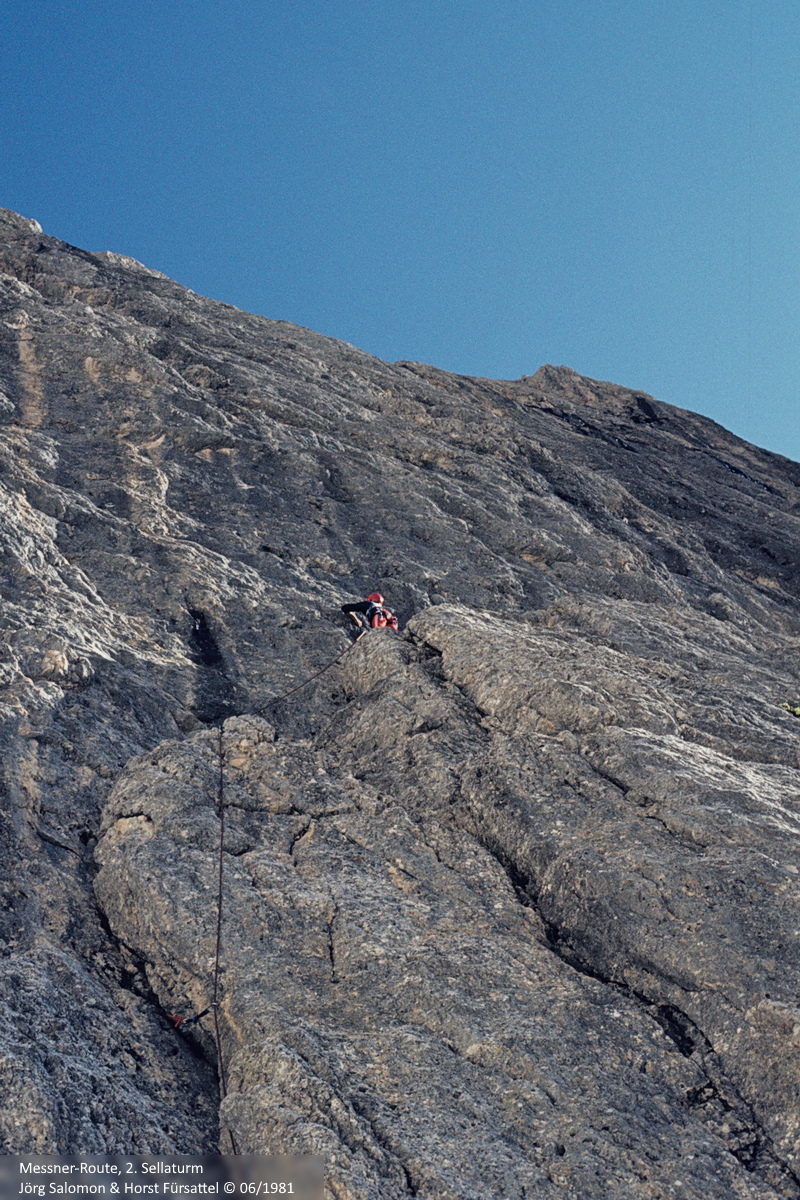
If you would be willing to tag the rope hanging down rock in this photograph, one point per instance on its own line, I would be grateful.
(214, 1006)
(223, 1088)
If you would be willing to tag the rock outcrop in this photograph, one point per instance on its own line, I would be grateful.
(511, 901)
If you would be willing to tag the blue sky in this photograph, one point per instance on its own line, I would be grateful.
(485, 185)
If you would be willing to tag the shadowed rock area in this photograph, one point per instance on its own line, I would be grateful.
(512, 900)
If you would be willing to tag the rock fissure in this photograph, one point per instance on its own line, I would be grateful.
(381, 1139)
(54, 841)
(749, 1142)
(298, 837)
(595, 589)
(331, 933)
(129, 972)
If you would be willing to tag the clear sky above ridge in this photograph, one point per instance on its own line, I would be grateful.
(485, 185)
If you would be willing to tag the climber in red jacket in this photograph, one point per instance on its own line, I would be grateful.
(375, 615)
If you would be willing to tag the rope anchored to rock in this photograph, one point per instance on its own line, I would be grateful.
(182, 1023)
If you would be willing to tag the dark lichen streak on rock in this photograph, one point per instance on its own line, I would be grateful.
(203, 642)
(511, 901)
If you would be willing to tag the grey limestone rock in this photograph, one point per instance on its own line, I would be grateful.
(511, 899)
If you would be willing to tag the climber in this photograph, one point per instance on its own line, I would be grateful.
(182, 1022)
(375, 615)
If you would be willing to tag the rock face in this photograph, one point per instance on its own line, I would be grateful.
(512, 900)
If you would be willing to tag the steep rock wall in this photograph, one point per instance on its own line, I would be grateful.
(583, 721)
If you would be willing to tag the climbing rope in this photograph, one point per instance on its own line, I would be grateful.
(311, 678)
(223, 1087)
(214, 1006)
